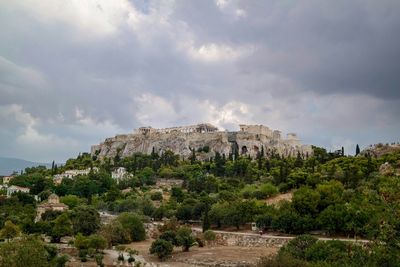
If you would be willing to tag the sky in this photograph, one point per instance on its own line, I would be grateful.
(73, 73)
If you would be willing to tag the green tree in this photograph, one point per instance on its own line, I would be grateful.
(97, 242)
(206, 224)
(170, 236)
(298, 246)
(177, 193)
(333, 218)
(85, 220)
(115, 233)
(62, 226)
(162, 248)
(306, 200)
(330, 193)
(24, 252)
(72, 201)
(99, 259)
(9, 230)
(133, 224)
(185, 238)
(146, 176)
(357, 150)
(184, 212)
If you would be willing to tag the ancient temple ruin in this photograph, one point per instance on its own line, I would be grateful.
(198, 128)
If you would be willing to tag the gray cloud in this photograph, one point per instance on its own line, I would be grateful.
(73, 74)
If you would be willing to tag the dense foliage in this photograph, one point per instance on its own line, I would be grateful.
(331, 193)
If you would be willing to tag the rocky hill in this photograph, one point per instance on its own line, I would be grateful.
(250, 140)
(380, 149)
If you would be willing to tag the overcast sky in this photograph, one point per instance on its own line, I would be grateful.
(73, 72)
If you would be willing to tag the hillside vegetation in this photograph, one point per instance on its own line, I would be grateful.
(332, 194)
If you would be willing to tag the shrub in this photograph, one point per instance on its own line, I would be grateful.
(185, 238)
(162, 248)
(200, 242)
(264, 221)
(156, 196)
(170, 236)
(298, 246)
(134, 225)
(281, 260)
(97, 242)
(209, 235)
(332, 251)
(166, 172)
(268, 190)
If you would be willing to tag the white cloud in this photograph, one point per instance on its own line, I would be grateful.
(229, 115)
(213, 52)
(153, 110)
(222, 3)
(91, 18)
(34, 142)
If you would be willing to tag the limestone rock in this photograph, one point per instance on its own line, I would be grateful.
(249, 141)
(386, 169)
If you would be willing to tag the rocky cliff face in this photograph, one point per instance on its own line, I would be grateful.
(379, 150)
(182, 142)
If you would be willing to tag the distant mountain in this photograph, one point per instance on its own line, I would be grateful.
(9, 165)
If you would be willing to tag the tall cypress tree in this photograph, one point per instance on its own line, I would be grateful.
(357, 150)
(193, 157)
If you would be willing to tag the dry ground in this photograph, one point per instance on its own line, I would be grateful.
(278, 198)
(207, 253)
(231, 254)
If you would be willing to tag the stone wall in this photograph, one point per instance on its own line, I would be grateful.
(248, 239)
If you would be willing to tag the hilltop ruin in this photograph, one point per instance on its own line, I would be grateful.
(248, 141)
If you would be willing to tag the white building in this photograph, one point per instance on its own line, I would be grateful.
(7, 179)
(120, 173)
(71, 174)
(12, 189)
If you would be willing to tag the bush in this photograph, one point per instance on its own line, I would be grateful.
(281, 260)
(169, 236)
(133, 224)
(97, 242)
(115, 233)
(185, 238)
(268, 190)
(166, 172)
(82, 255)
(156, 196)
(209, 235)
(162, 248)
(200, 242)
(85, 220)
(264, 221)
(298, 246)
(332, 251)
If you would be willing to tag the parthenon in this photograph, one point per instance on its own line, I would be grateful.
(197, 128)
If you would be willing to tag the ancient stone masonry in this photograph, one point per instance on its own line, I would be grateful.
(250, 140)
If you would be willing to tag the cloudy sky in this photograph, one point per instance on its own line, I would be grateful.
(73, 72)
